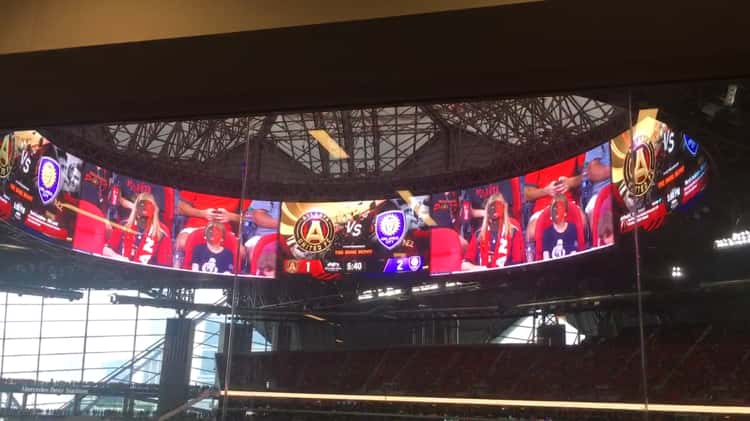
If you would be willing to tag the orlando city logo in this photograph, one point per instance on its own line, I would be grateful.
(639, 169)
(390, 228)
(48, 179)
(415, 263)
(314, 232)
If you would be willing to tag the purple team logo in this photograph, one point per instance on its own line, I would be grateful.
(415, 263)
(390, 228)
(48, 179)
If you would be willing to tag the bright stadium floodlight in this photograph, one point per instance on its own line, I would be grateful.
(425, 288)
(13, 247)
(738, 239)
(314, 317)
(389, 292)
(677, 272)
(441, 400)
(366, 295)
(325, 139)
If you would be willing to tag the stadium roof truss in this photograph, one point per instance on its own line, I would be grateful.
(510, 136)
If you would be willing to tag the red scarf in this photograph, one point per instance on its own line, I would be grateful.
(498, 254)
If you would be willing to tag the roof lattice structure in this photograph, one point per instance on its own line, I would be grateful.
(386, 144)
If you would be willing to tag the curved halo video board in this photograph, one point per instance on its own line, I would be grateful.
(59, 197)
(555, 212)
(551, 213)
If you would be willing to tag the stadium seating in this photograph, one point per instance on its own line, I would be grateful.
(698, 364)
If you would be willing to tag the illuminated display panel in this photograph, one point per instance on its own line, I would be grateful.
(35, 183)
(555, 212)
(78, 205)
(334, 240)
(662, 171)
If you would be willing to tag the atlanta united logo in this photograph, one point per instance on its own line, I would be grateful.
(314, 231)
(48, 179)
(389, 228)
(290, 266)
(639, 169)
(5, 156)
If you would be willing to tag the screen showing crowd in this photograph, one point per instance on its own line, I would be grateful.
(557, 211)
(334, 240)
(51, 193)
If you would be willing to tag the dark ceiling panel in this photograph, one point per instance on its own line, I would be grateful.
(533, 48)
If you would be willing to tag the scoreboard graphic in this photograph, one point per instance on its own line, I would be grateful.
(649, 171)
(657, 171)
(333, 240)
(36, 179)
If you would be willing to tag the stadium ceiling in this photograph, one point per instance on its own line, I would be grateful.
(382, 148)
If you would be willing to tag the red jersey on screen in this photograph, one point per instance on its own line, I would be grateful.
(208, 201)
(541, 178)
(143, 248)
(492, 253)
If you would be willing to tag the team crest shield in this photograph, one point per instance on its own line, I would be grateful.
(390, 228)
(48, 179)
(6, 156)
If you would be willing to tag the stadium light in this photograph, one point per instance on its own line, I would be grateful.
(599, 406)
(738, 239)
(677, 272)
(14, 247)
(365, 295)
(325, 139)
(389, 292)
(425, 288)
(314, 317)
